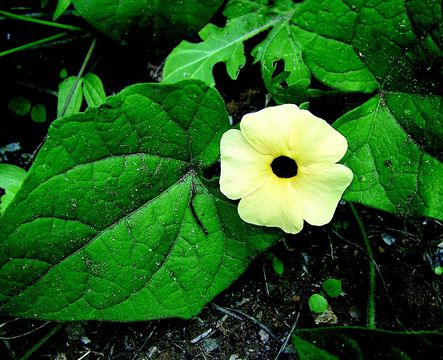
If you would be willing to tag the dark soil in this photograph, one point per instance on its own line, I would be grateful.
(253, 318)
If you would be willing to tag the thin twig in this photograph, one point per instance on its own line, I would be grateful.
(84, 355)
(145, 342)
(24, 334)
(266, 280)
(283, 346)
(227, 312)
(259, 324)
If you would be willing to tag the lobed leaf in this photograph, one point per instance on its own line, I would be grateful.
(196, 61)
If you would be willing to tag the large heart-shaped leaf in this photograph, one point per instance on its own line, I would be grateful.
(116, 219)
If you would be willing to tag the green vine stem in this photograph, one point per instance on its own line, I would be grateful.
(371, 291)
(40, 22)
(33, 44)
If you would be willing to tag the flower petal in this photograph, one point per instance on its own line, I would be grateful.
(276, 203)
(243, 169)
(312, 140)
(320, 188)
(268, 130)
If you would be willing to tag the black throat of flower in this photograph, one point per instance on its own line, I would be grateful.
(284, 167)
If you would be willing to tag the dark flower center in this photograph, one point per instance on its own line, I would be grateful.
(284, 167)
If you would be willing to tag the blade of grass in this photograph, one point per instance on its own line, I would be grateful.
(33, 44)
(45, 338)
(40, 22)
(371, 275)
(79, 75)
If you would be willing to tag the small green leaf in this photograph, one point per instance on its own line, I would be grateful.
(62, 6)
(317, 303)
(361, 343)
(38, 113)
(332, 287)
(278, 265)
(11, 178)
(20, 105)
(116, 220)
(93, 90)
(63, 73)
(69, 97)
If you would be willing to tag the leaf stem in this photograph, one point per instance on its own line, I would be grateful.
(371, 292)
(33, 44)
(40, 22)
(316, 93)
(45, 338)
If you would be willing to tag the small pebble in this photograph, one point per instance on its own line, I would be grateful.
(210, 345)
(264, 336)
(85, 340)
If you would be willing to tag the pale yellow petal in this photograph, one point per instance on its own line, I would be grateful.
(275, 204)
(320, 188)
(312, 140)
(243, 169)
(268, 130)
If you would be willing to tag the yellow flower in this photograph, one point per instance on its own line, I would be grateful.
(282, 165)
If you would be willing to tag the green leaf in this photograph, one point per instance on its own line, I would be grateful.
(20, 105)
(362, 343)
(394, 146)
(308, 351)
(392, 48)
(116, 220)
(332, 287)
(38, 113)
(93, 90)
(11, 178)
(317, 303)
(62, 6)
(70, 96)
(156, 21)
(278, 265)
(196, 61)
(280, 45)
(63, 73)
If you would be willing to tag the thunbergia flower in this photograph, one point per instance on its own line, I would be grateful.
(282, 165)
